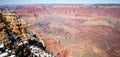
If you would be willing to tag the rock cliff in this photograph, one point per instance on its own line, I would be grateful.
(16, 41)
(88, 30)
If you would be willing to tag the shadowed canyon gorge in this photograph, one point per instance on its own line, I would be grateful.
(73, 30)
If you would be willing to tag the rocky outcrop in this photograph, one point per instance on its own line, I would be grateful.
(98, 23)
(3, 34)
(51, 45)
(64, 53)
(55, 47)
(16, 41)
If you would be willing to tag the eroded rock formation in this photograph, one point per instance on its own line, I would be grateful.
(97, 24)
(52, 45)
(16, 41)
(64, 53)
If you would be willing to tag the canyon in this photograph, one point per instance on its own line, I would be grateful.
(73, 30)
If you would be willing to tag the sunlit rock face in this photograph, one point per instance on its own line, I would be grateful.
(16, 41)
(51, 45)
(96, 25)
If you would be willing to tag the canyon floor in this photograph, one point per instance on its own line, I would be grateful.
(78, 47)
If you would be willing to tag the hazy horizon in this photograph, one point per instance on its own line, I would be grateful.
(6, 2)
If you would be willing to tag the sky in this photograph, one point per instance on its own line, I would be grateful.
(3, 2)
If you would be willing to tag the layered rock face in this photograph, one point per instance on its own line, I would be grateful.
(58, 19)
(16, 41)
(52, 45)
(98, 25)
(56, 48)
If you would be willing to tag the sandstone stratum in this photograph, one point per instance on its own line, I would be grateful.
(69, 30)
(17, 41)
